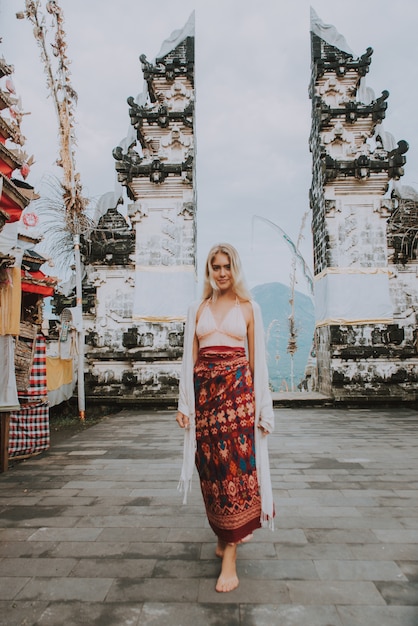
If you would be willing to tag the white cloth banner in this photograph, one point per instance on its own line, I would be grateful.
(8, 237)
(163, 293)
(9, 400)
(352, 297)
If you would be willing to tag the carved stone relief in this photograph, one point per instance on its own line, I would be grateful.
(335, 92)
(178, 97)
(165, 238)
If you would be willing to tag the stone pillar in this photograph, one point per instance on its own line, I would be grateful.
(155, 163)
(365, 341)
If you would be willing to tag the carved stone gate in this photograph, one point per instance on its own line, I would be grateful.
(365, 233)
(142, 276)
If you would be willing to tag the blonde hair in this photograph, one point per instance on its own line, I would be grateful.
(210, 289)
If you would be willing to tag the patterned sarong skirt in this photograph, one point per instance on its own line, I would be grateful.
(225, 454)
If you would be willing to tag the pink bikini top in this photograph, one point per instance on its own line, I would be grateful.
(232, 331)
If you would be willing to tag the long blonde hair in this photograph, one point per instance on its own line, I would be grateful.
(210, 290)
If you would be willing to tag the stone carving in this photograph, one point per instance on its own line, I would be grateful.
(335, 93)
(178, 96)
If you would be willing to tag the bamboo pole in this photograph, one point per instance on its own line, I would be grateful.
(80, 331)
(64, 98)
(4, 441)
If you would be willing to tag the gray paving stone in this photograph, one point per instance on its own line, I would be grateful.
(57, 589)
(409, 569)
(48, 522)
(378, 615)
(14, 613)
(409, 522)
(60, 500)
(36, 567)
(186, 551)
(290, 615)
(19, 501)
(153, 590)
(134, 534)
(105, 538)
(201, 535)
(14, 534)
(10, 586)
(190, 614)
(89, 613)
(65, 534)
(143, 521)
(315, 551)
(317, 522)
(280, 569)
(334, 592)
(397, 536)
(358, 570)
(403, 593)
(25, 549)
(113, 568)
(181, 569)
(84, 549)
(341, 536)
(387, 551)
(294, 536)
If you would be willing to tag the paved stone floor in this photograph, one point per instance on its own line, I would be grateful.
(93, 532)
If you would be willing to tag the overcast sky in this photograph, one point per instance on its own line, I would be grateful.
(253, 111)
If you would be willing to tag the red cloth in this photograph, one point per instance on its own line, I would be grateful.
(29, 430)
(46, 289)
(37, 386)
(13, 210)
(225, 455)
(5, 168)
(29, 427)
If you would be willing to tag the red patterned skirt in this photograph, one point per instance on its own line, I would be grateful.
(225, 455)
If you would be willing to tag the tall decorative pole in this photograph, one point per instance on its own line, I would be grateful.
(293, 333)
(65, 99)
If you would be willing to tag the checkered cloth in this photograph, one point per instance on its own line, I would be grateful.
(29, 427)
(29, 430)
(36, 391)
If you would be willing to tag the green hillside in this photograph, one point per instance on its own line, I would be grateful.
(273, 299)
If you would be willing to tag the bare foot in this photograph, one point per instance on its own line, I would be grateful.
(228, 579)
(220, 548)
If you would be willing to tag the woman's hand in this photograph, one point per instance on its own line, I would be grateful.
(263, 430)
(182, 420)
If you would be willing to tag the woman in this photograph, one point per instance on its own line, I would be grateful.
(226, 410)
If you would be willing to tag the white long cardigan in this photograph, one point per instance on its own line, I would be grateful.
(264, 415)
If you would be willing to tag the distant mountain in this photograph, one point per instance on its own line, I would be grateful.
(273, 299)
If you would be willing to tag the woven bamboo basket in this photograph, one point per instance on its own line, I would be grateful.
(24, 353)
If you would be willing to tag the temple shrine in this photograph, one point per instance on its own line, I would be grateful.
(365, 233)
(141, 269)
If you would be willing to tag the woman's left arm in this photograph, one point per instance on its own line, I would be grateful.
(250, 336)
(260, 376)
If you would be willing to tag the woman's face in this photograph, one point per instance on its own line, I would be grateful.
(221, 271)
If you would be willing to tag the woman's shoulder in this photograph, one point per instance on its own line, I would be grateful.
(200, 306)
(250, 304)
(246, 308)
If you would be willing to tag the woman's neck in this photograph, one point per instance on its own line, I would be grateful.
(225, 296)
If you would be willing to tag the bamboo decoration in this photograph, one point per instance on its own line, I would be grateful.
(65, 99)
(292, 345)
